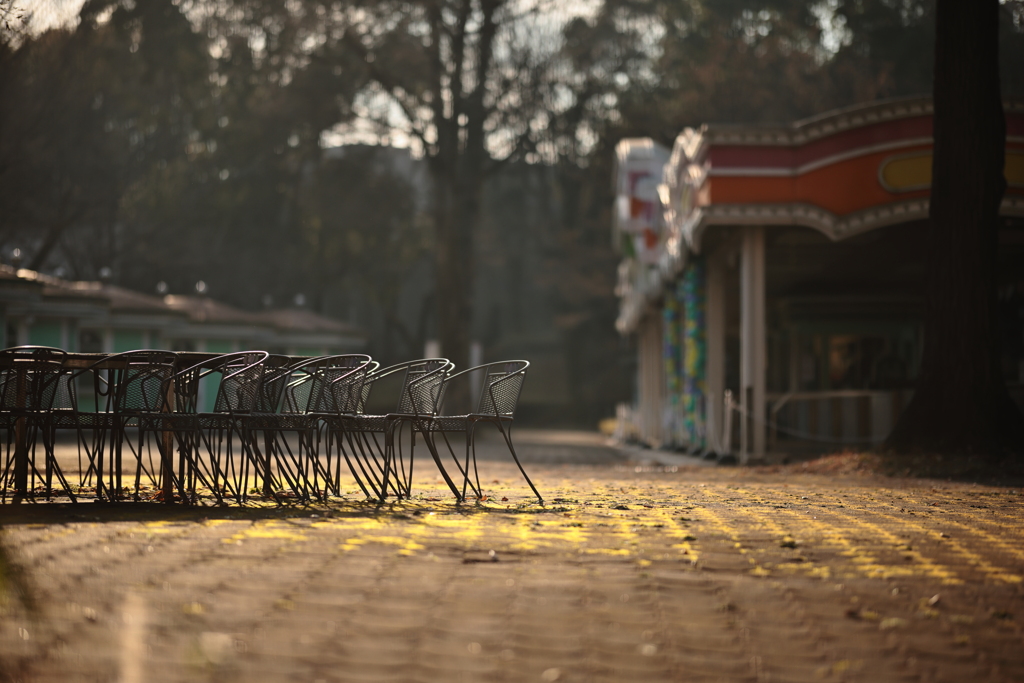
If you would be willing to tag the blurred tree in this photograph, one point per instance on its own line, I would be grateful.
(91, 110)
(227, 210)
(781, 60)
(726, 61)
(961, 405)
(471, 84)
(12, 21)
(886, 50)
(362, 234)
(48, 158)
(180, 140)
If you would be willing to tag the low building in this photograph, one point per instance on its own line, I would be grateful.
(777, 298)
(99, 317)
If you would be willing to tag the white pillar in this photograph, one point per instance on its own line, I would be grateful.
(23, 330)
(644, 371)
(753, 343)
(795, 360)
(651, 378)
(476, 357)
(714, 358)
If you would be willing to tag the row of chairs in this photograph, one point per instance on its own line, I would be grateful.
(242, 423)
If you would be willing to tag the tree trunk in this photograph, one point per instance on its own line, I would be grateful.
(457, 171)
(961, 405)
(454, 222)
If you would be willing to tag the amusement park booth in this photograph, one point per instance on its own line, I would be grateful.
(775, 279)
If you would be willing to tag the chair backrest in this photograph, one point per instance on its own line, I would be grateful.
(421, 391)
(30, 377)
(240, 378)
(131, 382)
(343, 389)
(364, 391)
(496, 387)
(421, 386)
(311, 386)
(277, 370)
(502, 384)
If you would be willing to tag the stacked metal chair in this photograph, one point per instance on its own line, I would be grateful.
(371, 443)
(30, 380)
(498, 388)
(223, 433)
(109, 401)
(348, 402)
(294, 399)
(241, 423)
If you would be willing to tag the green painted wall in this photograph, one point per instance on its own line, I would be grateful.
(127, 340)
(218, 346)
(210, 385)
(46, 333)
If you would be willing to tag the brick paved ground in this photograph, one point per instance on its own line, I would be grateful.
(629, 573)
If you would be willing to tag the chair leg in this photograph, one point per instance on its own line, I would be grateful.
(355, 445)
(312, 436)
(382, 463)
(54, 467)
(267, 477)
(394, 436)
(387, 469)
(471, 447)
(462, 469)
(511, 448)
(459, 496)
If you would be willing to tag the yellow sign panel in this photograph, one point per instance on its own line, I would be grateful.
(1014, 170)
(906, 172)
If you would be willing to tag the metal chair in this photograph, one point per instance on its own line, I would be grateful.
(206, 440)
(500, 385)
(359, 435)
(300, 394)
(30, 378)
(106, 400)
(348, 401)
(277, 370)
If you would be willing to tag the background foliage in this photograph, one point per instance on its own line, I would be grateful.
(183, 140)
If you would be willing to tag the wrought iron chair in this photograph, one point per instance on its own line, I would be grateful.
(206, 440)
(30, 378)
(300, 394)
(348, 401)
(108, 399)
(360, 435)
(277, 370)
(500, 384)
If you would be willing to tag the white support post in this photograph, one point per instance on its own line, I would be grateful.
(753, 344)
(795, 360)
(23, 331)
(714, 358)
(648, 377)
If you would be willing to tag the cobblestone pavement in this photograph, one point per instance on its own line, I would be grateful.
(627, 573)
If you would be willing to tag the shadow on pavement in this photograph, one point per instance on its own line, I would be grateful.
(534, 447)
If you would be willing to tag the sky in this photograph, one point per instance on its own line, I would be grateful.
(42, 14)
